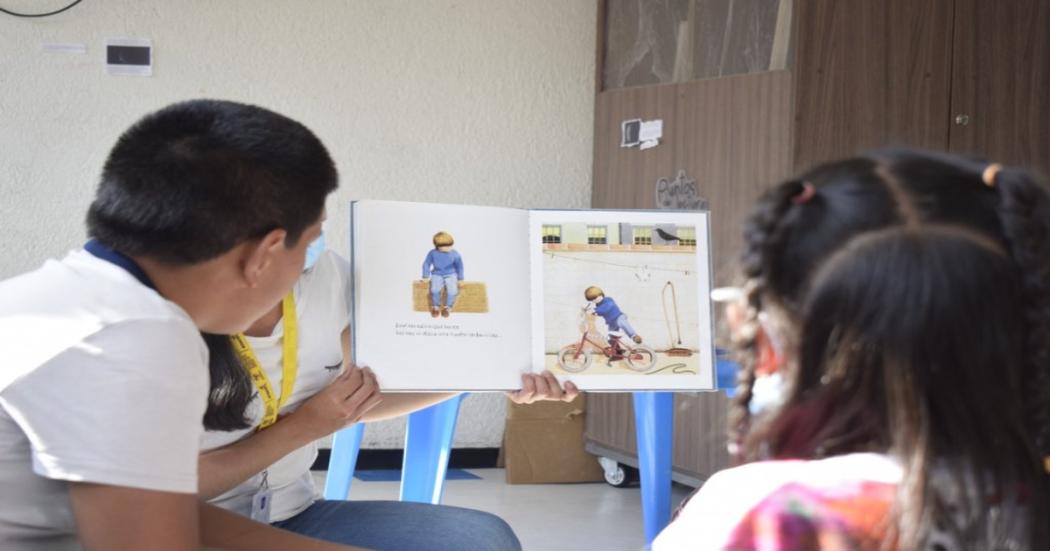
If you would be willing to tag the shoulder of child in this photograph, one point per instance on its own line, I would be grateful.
(731, 497)
(720, 505)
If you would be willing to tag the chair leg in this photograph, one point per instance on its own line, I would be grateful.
(726, 371)
(428, 444)
(345, 446)
(654, 421)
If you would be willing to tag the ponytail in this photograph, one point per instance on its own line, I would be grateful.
(231, 389)
(1025, 213)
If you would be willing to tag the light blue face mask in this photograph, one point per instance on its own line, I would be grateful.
(313, 252)
(767, 393)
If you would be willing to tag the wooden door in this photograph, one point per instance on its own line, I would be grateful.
(870, 74)
(1001, 81)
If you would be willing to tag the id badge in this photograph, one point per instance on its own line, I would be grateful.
(261, 505)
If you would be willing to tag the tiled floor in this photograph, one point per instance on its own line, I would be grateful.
(546, 517)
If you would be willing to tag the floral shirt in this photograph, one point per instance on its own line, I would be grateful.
(839, 503)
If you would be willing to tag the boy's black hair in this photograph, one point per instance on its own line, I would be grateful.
(189, 182)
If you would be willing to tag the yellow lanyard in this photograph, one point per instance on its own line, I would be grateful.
(289, 364)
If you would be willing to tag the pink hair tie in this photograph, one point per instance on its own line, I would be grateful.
(807, 193)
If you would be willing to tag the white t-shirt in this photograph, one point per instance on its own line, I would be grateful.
(103, 381)
(322, 308)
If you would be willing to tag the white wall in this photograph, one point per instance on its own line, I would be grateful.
(470, 101)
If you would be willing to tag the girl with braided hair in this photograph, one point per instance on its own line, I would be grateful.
(901, 298)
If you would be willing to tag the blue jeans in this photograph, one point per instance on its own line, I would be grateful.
(622, 323)
(397, 525)
(451, 285)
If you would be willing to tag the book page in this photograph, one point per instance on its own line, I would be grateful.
(622, 299)
(447, 316)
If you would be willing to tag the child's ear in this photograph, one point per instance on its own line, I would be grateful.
(257, 256)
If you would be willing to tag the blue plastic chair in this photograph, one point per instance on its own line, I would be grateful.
(428, 444)
(725, 371)
(343, 460)
(654, 423)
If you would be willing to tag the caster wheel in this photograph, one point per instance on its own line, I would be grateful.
(617, 474)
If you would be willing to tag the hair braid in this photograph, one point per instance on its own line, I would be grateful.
(1025, 213)
(764, 235)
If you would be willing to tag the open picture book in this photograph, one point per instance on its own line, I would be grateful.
(452, 297)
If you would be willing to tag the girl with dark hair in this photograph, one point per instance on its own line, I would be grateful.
(901, 299)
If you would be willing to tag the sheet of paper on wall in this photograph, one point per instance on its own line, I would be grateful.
(75, 48)
(453, 297)
(651, 130)
(629, 132)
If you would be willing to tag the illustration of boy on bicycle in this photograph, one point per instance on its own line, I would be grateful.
(576, 357)
(606, 307)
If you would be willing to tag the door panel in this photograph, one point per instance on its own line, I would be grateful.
(1001, 81)
(870, 74)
